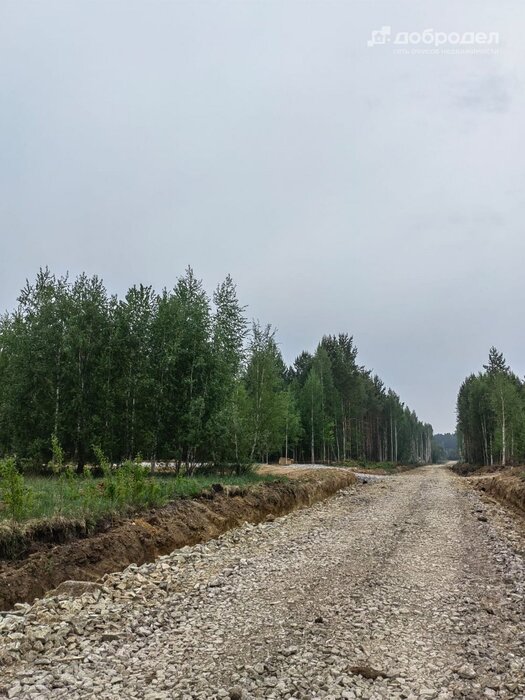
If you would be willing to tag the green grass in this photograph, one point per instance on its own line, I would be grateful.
(77, 496)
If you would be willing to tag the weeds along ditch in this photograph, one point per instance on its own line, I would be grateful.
(45, 552)
(128, 487)
(41, 507)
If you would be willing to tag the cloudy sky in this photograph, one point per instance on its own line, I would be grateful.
(375, 190)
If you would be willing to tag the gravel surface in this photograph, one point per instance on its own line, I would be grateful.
(409, 587)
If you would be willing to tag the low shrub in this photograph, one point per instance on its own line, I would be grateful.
(88, 497)
(57, 455)
(17, 498)
(132, 484)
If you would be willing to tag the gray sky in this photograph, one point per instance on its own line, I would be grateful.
(345, 187)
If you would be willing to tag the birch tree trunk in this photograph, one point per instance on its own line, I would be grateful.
(312, 430)
(503, 432)
(395, 440)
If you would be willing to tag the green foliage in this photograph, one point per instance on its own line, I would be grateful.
(491, 415)
(101, 459)
(90, 492)
(497, 364)
(445, 447)
(69, 490)
(16, 497)
(439, 454)
(131, 484)
(347, 414)
(57, 459)
(88, 497)
(176, 376)
(265, 399)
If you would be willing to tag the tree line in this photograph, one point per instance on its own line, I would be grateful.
(491, 415)
(181, 375)
(444, 447)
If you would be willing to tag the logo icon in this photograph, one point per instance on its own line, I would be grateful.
(380, 36)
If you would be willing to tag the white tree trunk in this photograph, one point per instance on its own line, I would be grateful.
(312, 430)
(503, 433)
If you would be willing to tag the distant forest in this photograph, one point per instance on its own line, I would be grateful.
(444, 447)
(491, 415)
(179, 375)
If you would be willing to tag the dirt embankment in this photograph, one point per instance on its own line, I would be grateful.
(507, 487)
(504, 484)
(139, 540)
(465, 469)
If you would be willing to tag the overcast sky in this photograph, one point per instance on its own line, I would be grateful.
(346, 188)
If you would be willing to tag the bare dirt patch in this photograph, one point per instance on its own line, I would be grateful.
(507, 487)
(142, 539)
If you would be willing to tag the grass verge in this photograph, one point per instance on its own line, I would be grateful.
(80, 497)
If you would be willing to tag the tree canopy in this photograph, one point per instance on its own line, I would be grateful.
(491, 414)
(181, 375)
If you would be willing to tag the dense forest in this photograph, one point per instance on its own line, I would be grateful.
(444, 447)
(491, 415)
(183, 376)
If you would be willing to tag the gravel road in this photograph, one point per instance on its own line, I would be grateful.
(410, 587)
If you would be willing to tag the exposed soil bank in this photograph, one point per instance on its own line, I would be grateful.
(464, 469)
(505, 484)
(507, 487)
(180, 523)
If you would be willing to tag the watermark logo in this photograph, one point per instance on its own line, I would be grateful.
(380, 36)
(432, 41)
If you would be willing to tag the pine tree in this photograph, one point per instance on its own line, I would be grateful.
(497, 363)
